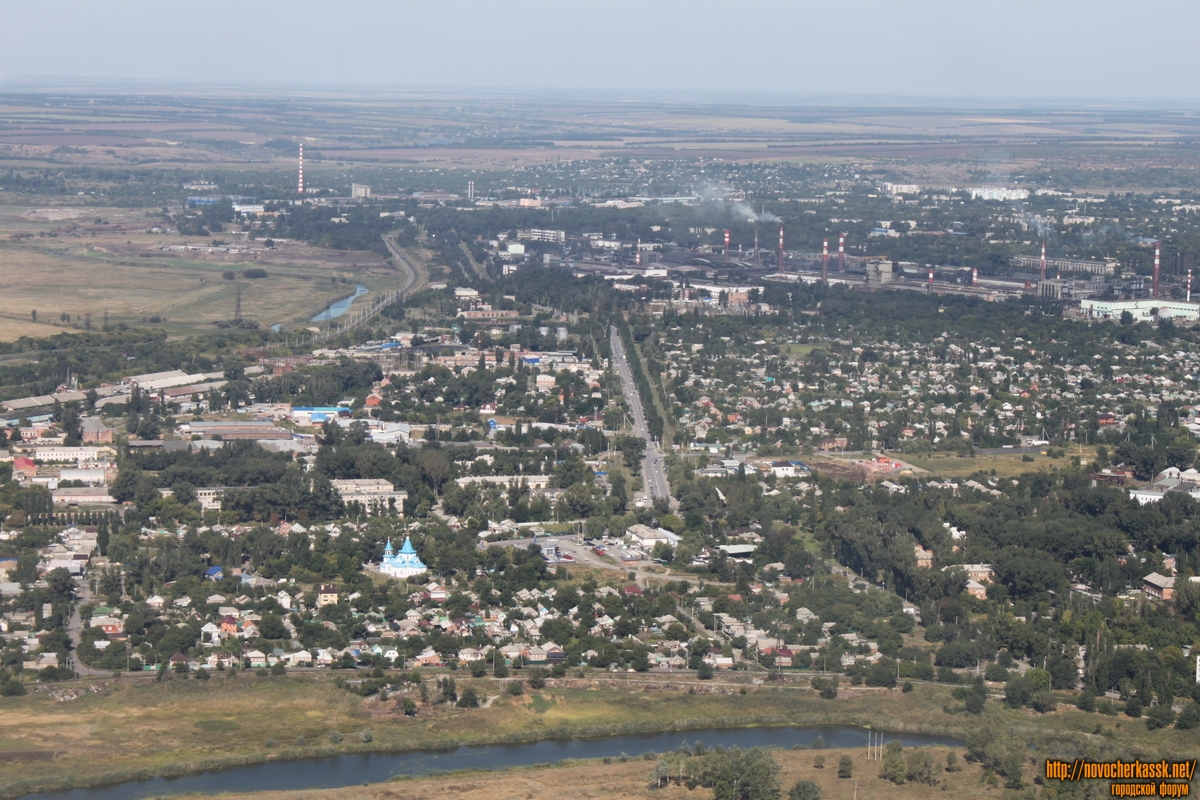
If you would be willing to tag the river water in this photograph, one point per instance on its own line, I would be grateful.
(341, 306)
(356, 769)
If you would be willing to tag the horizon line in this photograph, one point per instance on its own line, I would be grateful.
(33, 84)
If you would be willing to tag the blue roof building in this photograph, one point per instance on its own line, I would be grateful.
(404, 564)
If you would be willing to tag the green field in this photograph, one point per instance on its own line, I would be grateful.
(1007, 465)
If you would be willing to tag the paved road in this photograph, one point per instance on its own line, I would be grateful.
(653, 465)
(75, 629)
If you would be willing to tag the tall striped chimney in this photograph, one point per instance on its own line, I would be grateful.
(300, 181)
(1154, 289)
(825, 263)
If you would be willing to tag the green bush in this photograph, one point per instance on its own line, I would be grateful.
(995, 672)
(335, 737)
(469, 698)
(804, 790)
(894, 769)
(1042, 702)
(1189, 718)
(1160, 716)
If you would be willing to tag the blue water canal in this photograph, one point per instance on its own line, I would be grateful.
(356, 769)
(341, 306)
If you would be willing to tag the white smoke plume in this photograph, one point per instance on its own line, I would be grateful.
(744, 209)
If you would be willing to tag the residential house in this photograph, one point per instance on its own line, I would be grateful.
(1158, 586)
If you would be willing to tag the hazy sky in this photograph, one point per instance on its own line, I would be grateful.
(961, 48)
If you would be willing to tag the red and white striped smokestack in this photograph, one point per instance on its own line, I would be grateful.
(1042, 274)
(825, 263)
(1154, 290)
(780, 267)
(300, 179)
(974, 276)
(726, 244)
(637, 256)
(842, 253)
(931, 280)
(1189, 294)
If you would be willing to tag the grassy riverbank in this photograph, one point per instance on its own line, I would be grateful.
(125, 730)
(628, 780)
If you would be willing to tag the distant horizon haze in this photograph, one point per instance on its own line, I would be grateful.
(865, 51)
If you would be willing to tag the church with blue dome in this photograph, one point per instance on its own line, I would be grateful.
(403, 564)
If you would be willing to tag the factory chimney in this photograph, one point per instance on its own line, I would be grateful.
(1189, 294)
(756, 258)
(842, 253)
(1042, 274)
(1154, 289)
(930, 280)
(779, 268)
(637, 254)
(825, 263)
(470, 190)
(300, 180)
(974, 277)
(727, 244)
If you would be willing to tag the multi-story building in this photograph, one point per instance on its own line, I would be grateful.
(1107, 267)
(375, 494)
(96, 432)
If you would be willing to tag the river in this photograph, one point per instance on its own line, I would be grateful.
(341, 306)
(356, 769)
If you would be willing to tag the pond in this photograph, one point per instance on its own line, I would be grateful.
(356, 769)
